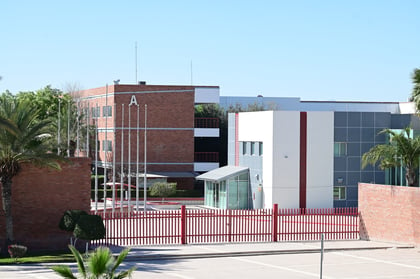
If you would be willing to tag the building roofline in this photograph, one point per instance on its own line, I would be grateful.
(353, 102)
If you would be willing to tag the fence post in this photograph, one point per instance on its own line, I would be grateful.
(183, 224)
(275, 222)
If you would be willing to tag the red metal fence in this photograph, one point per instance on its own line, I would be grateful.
(218, 226)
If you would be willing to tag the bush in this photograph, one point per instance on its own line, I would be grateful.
(17, 251)
(188, 194)
(117, 193)
(89, 227)
(178, 194)
(163, 189)
(70, 219)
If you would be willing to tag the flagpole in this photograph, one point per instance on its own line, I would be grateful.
(145, 157)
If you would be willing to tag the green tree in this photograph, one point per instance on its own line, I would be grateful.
(99, 264)
(402, 151)
(67, 117)
(47, 100)
(22, 140)
(415, 94)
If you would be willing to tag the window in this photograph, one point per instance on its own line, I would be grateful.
(252, 148)
(244, 145)
(95, 112)
(106, 145)
(85, 111)
(260, 148)
(107, 111)
(340, 149)
(339, 192)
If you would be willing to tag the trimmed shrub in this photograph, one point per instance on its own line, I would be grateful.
(163, 189)
(188, 194)
(89, 227)
(70, 218)
(17, 251)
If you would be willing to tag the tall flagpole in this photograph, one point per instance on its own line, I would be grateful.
(105, 146)
(68, 130)
(113, 161)
(96, 158)
(122, 158)
(137, 159)
(145, 157)
(87, 130)
(59, 126)
(129, 160)
(77, 130)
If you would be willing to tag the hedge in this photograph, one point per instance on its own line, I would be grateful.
(178, 194)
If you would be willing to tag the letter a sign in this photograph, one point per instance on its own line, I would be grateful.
(133, 101)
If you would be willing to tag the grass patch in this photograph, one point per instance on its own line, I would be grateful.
(40, 257)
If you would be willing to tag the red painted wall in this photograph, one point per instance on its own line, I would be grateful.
(39, 199)
(389, 213)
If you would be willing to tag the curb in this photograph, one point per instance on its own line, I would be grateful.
(132, 258)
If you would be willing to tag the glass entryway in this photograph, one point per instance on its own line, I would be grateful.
(232, 193)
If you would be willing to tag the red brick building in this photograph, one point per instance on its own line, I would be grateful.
(118, 112)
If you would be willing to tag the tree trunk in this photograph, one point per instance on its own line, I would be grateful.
(410, 177)
(7, 208)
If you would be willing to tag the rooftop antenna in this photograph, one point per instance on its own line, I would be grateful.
(191, 70)
(135, 59)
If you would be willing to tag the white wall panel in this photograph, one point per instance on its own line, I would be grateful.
(320, 160)
(286, 158)
(258, 127)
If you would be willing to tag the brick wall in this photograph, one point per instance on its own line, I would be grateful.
(39, 199)
(389, 213)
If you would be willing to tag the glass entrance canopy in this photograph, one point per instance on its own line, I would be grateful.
(227, 187)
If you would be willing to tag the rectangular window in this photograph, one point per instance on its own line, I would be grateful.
(252, 148)
(107, 111)
(260, 148)
(85, 111)
(340, 149)
(244, 146)
(95, 112)
(339, 192)
(106, 145)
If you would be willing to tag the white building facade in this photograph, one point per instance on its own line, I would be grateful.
(308, 156)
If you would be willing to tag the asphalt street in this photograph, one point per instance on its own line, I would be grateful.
(342, 259)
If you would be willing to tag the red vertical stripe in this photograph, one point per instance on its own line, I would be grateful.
(303, 151)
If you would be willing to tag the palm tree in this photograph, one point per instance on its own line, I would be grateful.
(402, 150)
(99, 264)
(415, 94)
(22, 140)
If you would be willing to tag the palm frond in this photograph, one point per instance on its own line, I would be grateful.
(79, 260)
(125, 274)
(120, 259)
(385, 154)
(64, 271)
(100, 261)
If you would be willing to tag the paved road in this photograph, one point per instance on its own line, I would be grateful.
(370, 262)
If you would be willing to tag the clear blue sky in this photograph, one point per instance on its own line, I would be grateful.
(359, 50)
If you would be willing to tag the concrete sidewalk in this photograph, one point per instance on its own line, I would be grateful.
(148, 253)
